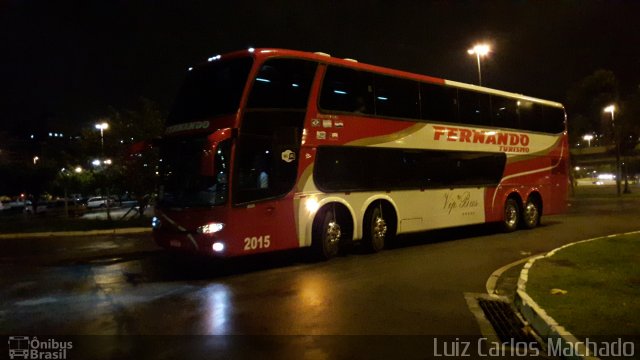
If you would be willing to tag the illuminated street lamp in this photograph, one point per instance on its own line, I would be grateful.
(479, 50)
(102, 127)
(612, 110)
(588, 138)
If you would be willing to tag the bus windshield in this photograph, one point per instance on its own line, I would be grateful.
(183, 182)
(211, 90)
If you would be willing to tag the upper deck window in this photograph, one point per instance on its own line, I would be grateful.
(211, 90)
(362, 92)
(347, 90)
(439, 103)
(504, 112)
(474, 108)
(282, 84)
(397, 97)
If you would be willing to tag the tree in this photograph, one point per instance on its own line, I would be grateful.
(630, 134)
(131, 174)
(630, 122)
(586, 101)
(69, 181)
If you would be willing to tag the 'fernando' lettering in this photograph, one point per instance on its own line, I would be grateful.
(508, 141)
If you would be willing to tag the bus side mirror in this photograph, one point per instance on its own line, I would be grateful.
(208, 160)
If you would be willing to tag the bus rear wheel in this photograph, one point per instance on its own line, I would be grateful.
(376, 230)
(511, 217)
(326, 235)
(531, 214)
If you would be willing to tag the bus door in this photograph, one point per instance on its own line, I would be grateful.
(266, 161)
(265, 173)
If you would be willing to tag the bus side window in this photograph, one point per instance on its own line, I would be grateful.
(530, 115)
(396, 97)
(347, 90)
(553, 119)
(439, 103)
(474, 107)
(504, 112)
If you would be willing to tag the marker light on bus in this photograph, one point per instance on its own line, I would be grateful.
(312, 205)
(217, 246)
(210, 228)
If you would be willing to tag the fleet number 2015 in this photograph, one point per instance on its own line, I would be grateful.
(257, 242)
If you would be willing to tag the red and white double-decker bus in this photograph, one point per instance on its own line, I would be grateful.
(270, 149)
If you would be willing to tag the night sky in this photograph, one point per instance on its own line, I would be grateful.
(63, 62)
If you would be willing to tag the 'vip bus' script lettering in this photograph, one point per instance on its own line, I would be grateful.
(459, 201)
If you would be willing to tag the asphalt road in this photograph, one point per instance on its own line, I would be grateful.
(125, 285)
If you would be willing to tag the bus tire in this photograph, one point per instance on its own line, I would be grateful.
(531, 214)
(376, 228)
(326, 235)
(511, 216)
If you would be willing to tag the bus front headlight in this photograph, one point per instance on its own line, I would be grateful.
(217, 246)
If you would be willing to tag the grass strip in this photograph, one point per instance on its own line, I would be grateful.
(602, 283)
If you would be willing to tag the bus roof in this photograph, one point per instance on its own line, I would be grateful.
(325, 58)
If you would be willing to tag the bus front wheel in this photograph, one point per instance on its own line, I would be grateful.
(327, 233)
(511, 215)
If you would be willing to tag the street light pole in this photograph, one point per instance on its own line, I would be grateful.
(612, 109)
(479, 50)
(102, 127)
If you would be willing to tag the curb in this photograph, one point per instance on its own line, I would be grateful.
(492, 282)
(545, 326)
(118, 231)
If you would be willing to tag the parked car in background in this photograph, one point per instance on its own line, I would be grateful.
(74, 208)
(41, 208)
(12, 206)
(97, 202)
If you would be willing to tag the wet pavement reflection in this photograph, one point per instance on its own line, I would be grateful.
(125, 285)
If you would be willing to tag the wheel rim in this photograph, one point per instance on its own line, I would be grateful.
(379, 231)
(510, 215)
(531, 214)
(332, 234)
